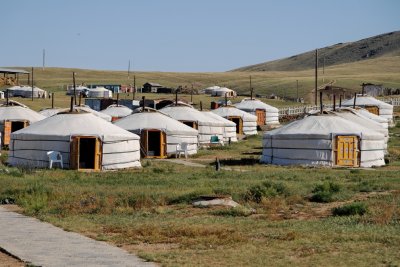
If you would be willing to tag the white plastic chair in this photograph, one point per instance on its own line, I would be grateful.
(54, 157)
(182, 148)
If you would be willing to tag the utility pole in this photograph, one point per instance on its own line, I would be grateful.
(316, 77)
(297, 90)
(251, 90)
(73, 79)
(129, 68)
(44, 58)
(32, 83)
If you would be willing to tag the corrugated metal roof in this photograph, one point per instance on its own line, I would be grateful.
(13, 71)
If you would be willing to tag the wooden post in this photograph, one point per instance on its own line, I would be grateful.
(80, 99)
(71, 105)
(340, 101)
(355, 99)
(362, 89)
(52, 100)
(117, 99)
(176, 97)
(143, 98)
(7, 92)
(334, 102)
(191, 95)
(316, 76)
(32, 83)
(73, 79)
(134, 87)
(297, 90)
(226, 99)
(320, 102)
(251, 90)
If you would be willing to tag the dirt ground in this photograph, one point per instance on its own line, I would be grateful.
(8, 261)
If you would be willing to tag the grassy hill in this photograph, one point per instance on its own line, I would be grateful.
(382, 70)
(387, 44)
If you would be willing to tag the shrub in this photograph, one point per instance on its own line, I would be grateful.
(234, 212)
(324, 193)
(356, 208)
(266, 189)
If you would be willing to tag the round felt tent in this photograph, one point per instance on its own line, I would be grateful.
(325, 140)
(206, 126)
(86, 142)
(13, 118)
(266, 114)
(211, 89)
(26, 91)
(48, 112)
(223, 91)
(160, 134)
(356, 117)
(117, 111)
(99, 92)
(246, 123)
(373, 105)
(229, 126)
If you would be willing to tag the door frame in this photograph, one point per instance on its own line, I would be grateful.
(75, 153)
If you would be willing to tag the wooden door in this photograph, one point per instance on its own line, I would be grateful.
(373, 109)
(347, 151)
(97, 155)
(6, 133)
(163, 145)
(144, 147)
(74, 153)
(260, 113)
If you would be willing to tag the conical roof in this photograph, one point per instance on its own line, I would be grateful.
(117, 111)
(185, 113)
(15, 113)
(367, 101)
(217, 117)
(155, 120)
(253, 104)
(322, 127)
(52, 111)
(67, 124)
(233, 111)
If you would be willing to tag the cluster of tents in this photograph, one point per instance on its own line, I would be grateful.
(119, 137)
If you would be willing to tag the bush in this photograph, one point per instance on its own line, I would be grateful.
(324, 193)
(356, 208)
(266, 189)
(234, 212)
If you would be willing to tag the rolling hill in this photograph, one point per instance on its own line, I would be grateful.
(387, 44)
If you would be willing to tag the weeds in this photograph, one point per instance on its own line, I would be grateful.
(356, 208)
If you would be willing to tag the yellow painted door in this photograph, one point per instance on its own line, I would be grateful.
(373, 109)
(6, 133)
(97, 155)
(347, 151)
(163, 144)
(74, 154)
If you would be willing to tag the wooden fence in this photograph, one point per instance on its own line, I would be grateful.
(293, 111)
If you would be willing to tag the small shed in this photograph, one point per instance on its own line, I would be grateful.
(151, 87)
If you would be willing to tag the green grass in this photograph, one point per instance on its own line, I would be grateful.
(149, 211)
(383, 70)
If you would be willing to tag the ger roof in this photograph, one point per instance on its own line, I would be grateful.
(117, 111)
(253, 104)
(155, 120)
(186, 113)
(19, 113)
(67, 124)
(13, 71)
(233, 111)
(321, 127)
(365, 101)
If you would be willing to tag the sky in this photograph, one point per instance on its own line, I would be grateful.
(181, 35)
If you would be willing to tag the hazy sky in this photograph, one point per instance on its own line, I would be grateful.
(181, 35)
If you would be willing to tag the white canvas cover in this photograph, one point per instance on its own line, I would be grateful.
(28, 146)
(207, 126)
(78, 89)
(48, 112)
(229, 126)
(26, 91)
(18, 113)
(176, 132)
(310, 141)
(211, 89)
(251, 105)
(222, 91)
(249, 120)
(117, 111)
(353, 116)
(382, 121)
(99, 92)
(385, 109)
